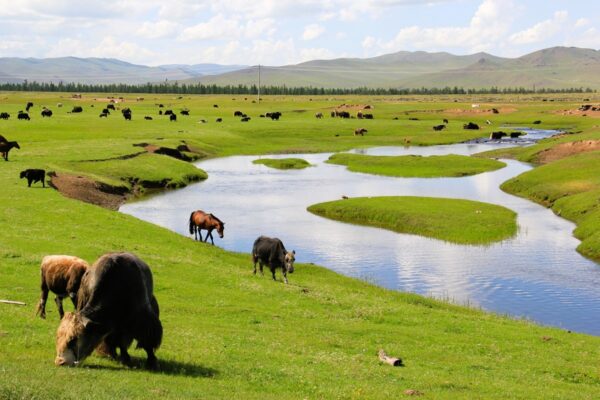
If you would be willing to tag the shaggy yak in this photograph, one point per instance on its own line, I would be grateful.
(115, 305)
(271, 252)
(33, 176)
(62, 276)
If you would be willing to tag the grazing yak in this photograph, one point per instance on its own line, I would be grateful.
(23, 115)
(537, 122)
(4, 115)
(271, 252)
(46, 113)
(61, 275)
(238, 114)
(126, 114)
(184, 112)
(273, 115)
(471, 125)
(34, 175)
(148, 118)
(77, 109)
(516, 134)
(28, 106)
(115, 305)
(245, 119)
(110, 107)
(168, 112)
(439, 127)
(219, 120)
(360, 132)
(5, 147)
(173, 117)
(445, 121)
(105, 111)
(319, 115)
(215, 106)
(497, 135)
(103, 115)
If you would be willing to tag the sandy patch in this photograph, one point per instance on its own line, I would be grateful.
(578, 112)
(357, 107)
(481, 110)
(85, 189)
(567, 149)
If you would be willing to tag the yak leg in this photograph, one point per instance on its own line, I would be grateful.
(151, 361)
(273, 272)
(285, 275)
(255, 261)
(41, 308)
(261, 268)
(58, 300)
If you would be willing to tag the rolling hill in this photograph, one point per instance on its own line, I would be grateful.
(98, 70)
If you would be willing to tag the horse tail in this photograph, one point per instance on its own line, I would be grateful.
(192, 225)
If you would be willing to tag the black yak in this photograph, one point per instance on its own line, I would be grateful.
(271, 252)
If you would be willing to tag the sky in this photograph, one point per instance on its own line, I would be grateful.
(280, 32)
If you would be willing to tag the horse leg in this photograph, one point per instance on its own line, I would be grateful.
(209, 234)
(58, 301)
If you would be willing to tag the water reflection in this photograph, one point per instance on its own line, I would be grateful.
(537, 275)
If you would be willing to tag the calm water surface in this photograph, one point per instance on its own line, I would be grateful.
(536, 275)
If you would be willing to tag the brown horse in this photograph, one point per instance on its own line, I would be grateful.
(200, 220)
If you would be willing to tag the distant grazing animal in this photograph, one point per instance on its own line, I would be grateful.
(413, 119)
(23, 115)
(200, 220)
(271, 252)
(148, 118)
(215, 106)
(273, 115)
(28, 106)
(46, 113)
(34, 175)
(105, 111)
(172, 117)
(495, 111)
(115, 305)
(245, 119)
(77, 109)
(103, 115)
(515, 134)
(319, 115)
(332, 114)
(126, 114)
(238, 114)
(4, 115)
(368, 116)
(445, 121)
(342, 114)
(497, 135)
(60, 275)
(203, 121)
(168, 112)
(439, 127)
(5, 147)
(537, 122)
(110, 107)
(219, 119)
(262, 115)
(160, 112)
(360, 131)
(359, 115)
(184, 112)
(470, 125)
(59, 105)
(161, 105)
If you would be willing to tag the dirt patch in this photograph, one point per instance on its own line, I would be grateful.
(481, 110)
(354, 107)
(593, 111)
(567, 149)
(85, 189)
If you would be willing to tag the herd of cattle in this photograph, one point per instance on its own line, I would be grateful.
(115, 304)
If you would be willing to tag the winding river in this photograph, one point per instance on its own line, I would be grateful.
(536, 275)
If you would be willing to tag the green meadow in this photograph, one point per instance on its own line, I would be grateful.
(283, 163)
(229, 333)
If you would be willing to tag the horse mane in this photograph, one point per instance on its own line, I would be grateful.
(217, 219)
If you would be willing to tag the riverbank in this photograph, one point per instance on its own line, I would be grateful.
(228, 332)
(453, 220)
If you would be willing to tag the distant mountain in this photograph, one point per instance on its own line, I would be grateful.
(99, 70)
(556, 67)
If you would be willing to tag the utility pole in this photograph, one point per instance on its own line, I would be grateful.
(259, 83)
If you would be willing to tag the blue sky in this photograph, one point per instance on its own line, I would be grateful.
(278, 32)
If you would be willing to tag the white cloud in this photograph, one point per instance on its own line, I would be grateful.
(542, 30)
(108, 47)
(312, 31)
(220, 27)
(156, 30)
(581, 22)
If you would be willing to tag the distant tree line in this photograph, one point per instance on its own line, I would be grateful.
(199, 88)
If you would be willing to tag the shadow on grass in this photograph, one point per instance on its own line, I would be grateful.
(167, 367)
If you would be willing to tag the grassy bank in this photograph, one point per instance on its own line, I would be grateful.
(226, 331)
(453, 220)
(283, 163)
(416, 166)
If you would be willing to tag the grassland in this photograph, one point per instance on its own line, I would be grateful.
(228, 333)
(453, 220)
(283, 163)
(416, 166)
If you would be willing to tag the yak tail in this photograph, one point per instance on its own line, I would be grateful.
(192, 225)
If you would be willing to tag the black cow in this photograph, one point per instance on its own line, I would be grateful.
(77, 109)
(4, 115)
(537, 122)
(215, 106)
(219, 119)
(161, 105)
(115, 305)
(516, 134)
(238, 114)
(46, 113)
(471, 125)
(126, 114)
(245, 119)
(105, 111)
(148, 118)
(439, 127)
(368, 116)
(184, 112)
(173, 117)
(23, 115)
(34, 175)
(271, 252)
(111, 107)
(5, 147)
(497, 135)
(168, 112)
